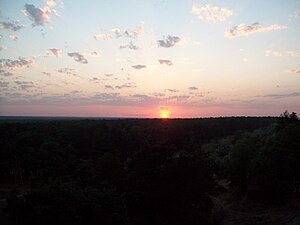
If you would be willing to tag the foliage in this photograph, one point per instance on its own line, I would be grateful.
(127, 171)
(60, 204)
(268, 162)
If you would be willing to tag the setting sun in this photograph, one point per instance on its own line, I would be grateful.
(164, 114)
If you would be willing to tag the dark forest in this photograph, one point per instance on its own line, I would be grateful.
(210, 171)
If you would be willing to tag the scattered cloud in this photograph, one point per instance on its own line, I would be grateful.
(284, 86)
(50, 3)
(75, 92)
(95, 80)
(276, 96)
(273, 53)
(165, 62)
(2, 48)
(39, 16)
(294, 71)
(4, 84)
(168, 42)
(245, 30)
(78, 57)
(212, 14)
(172, 90)
(130, 46)
(108, 87)
(91, 54)
(279, 54)
(24, 85)
(11, 26)
(15, 64)
(14, 37)
(128, 85)
(102, 36)
(117, 32)
(135, 33)
(46, 73)
(193, 88)
(158, 94)
(139, 67)
(294, 15)
(5, 73)
(68, 71)
(293, 53)
(179, 98)
(54, 52)
(142, 97)
(104, 97)
(94, 54)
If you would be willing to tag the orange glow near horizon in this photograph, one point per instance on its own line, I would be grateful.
(135, 112)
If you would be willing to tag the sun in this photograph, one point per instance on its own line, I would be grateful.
(164, 114)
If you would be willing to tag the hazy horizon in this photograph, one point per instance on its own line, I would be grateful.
(129, 117)
(149, 59)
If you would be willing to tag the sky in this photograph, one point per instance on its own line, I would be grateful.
(149, 58)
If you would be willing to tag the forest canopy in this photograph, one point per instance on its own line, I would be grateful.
(143, 171)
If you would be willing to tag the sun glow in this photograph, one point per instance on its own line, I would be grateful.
(164, 114)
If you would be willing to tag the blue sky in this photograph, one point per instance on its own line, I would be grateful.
(141, 58)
